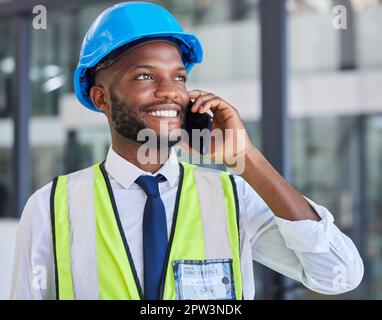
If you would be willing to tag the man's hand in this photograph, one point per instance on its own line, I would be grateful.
(248, 161)
(235, 140)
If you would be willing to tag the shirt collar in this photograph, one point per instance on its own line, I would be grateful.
(125, 173)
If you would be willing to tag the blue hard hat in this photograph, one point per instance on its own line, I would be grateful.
(126, 24)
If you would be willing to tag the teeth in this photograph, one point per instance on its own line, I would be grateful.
(164, 113)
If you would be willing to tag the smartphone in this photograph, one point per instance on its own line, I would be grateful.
(199, 121)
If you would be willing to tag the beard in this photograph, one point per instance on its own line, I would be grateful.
(128, 123)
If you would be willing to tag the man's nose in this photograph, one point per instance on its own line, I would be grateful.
(166, 89)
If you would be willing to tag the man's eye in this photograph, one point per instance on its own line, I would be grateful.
(183, 78)
(144, 76)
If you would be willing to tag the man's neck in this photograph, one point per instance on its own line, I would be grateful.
(129, 151)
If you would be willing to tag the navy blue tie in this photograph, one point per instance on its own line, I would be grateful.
(154, 235)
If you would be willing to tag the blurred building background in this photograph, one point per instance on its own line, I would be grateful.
(327, 96)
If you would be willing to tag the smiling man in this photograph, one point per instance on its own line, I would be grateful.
(123, 229)
(144, 89)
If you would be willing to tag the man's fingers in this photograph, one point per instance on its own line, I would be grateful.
(209, 105)
(199, 101)
(196, 93)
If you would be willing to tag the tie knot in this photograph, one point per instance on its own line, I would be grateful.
(149, 184)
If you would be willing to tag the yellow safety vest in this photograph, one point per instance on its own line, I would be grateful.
(204, 230)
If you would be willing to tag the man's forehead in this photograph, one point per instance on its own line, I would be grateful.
(146, 45)
(153, 51)
(154, 54)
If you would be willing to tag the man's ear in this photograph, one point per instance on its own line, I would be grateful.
(98, 95)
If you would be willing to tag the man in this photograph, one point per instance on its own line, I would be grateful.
(127, 229)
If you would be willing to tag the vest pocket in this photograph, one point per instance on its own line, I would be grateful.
(210, 279)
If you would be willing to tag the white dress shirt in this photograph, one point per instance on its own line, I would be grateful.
(315, 253)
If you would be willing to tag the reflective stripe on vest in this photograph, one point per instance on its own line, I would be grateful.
(92, 257)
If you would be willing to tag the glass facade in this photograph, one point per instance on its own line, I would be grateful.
(368, 16)
(373, 232)
(49, 71)
(335, 140)
(7, 68)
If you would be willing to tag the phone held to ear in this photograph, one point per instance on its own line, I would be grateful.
(198, 141)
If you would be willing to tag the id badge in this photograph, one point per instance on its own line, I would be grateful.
(204, 279)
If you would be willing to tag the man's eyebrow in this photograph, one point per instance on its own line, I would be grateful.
(147, 66)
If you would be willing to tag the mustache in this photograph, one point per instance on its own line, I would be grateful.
(149, 105)
(144, 107)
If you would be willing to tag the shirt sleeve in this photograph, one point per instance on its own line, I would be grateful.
(33, 267)
(316, 253)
